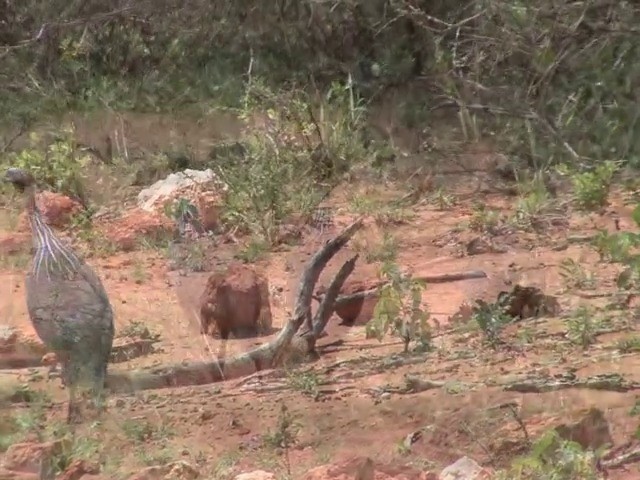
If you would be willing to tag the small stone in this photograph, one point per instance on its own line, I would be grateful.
(256, 475)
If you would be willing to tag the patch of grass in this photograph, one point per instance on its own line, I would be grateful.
(287, 164)
(526, 335)
(158, 457)
(402, 449)
(191, 256)
(591, 188)
(551, 457)
(286, 430)
(384, 211)
(254, 250)
(535, 207)
(484, 220)
(574, 275)
(307, 382)
(24, 393)
(628, 345)
(385, 251)
(582, 326)
(137, 329)
(442, 200)
(139, 273)
(225, 463)
(491, 318)
(142, 431)
(33, 422)
(16, 261)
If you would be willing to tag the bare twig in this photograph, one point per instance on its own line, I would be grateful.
(42, 31)
(22, 129)
(443, 278)
(521, 424)
(327, 305)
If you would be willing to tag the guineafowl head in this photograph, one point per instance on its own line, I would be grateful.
(20, 178)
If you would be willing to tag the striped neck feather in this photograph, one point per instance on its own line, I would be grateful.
(51, 255)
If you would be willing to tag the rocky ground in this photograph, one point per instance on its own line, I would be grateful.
(410, 415)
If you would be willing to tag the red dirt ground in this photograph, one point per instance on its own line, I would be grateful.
(219, 428)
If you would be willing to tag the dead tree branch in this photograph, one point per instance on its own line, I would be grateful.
(328, 303)
(372, 292)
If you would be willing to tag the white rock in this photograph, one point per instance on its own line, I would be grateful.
(149, 197)
(464, 468)
(256, 475)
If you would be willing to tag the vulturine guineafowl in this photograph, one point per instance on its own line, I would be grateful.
(67, 304)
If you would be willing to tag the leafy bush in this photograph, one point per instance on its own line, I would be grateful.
(59, 167)
(491, 318)
(399, 310)
(591, 188)
(551, 457)
(622, 247)
(289, 159)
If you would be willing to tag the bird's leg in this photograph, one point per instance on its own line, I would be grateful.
(70, 378)
(98, 390)
(73, 410)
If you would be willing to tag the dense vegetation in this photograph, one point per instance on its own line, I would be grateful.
(551, 80)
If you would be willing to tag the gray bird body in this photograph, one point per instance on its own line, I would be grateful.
(72, 315)
(67, 303)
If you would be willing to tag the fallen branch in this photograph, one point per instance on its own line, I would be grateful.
(269, 355)
(610, 382)
(631, 456)
(119, 353)
(372, 292)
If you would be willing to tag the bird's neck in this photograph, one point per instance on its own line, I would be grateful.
(30, 200)
(41, 233)
(51, 256)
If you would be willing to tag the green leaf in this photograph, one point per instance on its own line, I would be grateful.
(636, 215)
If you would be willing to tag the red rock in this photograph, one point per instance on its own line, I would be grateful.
(57, 209)
(8, 339)
(11, 475)
(78, 470)
(27, 457)
(172, 471)
(14, 243)
(126, 232)
(49, 359)
(235, 301)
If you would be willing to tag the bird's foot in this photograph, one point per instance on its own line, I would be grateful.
(74, 414)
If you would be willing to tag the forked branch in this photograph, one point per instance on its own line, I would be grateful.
(266, 356)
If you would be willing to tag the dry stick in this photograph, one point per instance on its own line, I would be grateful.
(444, 278)
(119, 354)
(328, 303)
(264, 357)
(622, 459)
(313, 328)
(520, 422)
